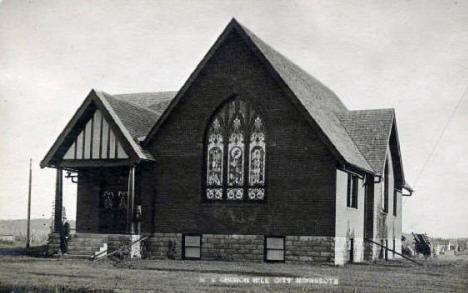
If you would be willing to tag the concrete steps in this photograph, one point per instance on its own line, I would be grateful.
(85, 245)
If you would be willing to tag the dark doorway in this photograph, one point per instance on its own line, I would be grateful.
(113, 199)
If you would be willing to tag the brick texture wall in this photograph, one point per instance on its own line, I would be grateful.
(300, 170)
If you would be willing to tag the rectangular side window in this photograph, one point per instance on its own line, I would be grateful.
(395, 202)
(348, 191)
(191, 246)
(274, 248)
(352, 191)
(385, 191)
(354, 203)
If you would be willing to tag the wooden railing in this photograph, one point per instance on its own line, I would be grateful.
(388, 249)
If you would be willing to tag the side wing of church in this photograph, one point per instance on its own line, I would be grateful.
(252, 159)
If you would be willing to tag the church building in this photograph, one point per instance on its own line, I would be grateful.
(253, 159)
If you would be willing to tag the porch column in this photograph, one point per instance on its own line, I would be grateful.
(58, 202)
(131, 201)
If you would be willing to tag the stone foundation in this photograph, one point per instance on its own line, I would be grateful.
(301, 249)
(53, 244)
(310, 249)
(88, 243)
(343, 250)
(117, 241)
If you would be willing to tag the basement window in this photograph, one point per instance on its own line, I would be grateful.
(274, 249)
(191, 246)
(352, 191)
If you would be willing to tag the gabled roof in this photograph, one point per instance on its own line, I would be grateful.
(156, 101)
(373, 131)
(139, 112)
(370, 131)
(320, 103)
(358, 138)
(121, 122)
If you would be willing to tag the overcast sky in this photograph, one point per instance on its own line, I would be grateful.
(410, 55)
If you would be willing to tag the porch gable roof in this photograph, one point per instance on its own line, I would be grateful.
(109, 108)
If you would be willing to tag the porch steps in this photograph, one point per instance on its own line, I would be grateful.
(85, 245)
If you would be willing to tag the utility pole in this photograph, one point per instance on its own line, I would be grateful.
(29, 205)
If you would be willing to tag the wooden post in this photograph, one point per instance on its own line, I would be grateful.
(131, 201)
(58, 202)
(28, 241)
(386, 249)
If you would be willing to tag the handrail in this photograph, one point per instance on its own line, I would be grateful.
(95, 257)
(410, 259)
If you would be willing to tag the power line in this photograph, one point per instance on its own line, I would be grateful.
(440, 136)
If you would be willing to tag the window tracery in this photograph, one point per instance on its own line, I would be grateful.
(235, 154)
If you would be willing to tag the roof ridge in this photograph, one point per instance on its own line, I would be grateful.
(144, 93)
(132, 103)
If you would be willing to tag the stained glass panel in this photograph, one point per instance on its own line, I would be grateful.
(235, 193)
(236, 155)
(256, 193)
(214, 193)
(215, 155)
(257, 154)
(231, 165)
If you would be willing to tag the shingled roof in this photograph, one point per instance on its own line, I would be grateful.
(370, 130)
(320, 102)
(139, 111)
(360, 138)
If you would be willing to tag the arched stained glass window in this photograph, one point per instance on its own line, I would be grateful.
(235, 154)
(236, 160)
(257, 160)
(215, 161)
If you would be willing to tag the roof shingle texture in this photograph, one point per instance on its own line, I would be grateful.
(321, 103)
(370, 131)
(140, 111)
(360, 137)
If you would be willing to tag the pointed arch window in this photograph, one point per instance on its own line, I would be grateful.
(235, 154)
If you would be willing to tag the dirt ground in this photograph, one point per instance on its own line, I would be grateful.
(19, 273)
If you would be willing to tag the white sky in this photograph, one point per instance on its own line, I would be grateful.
(410, 55)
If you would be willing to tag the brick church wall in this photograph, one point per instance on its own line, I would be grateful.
(300, 170)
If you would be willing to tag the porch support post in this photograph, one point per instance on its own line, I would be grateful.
(58, 202)
(131, 201)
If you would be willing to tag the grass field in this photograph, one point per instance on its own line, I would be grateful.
(31, 274)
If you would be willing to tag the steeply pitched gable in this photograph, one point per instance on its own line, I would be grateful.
(370, 131)
(374, 131)
(319, 102)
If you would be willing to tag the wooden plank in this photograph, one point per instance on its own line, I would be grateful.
(111, 145)
(79, 146)
(105, 139)
(95, 163)
(96, 135)
(70, 154)
(121, 154)
(87, 141)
